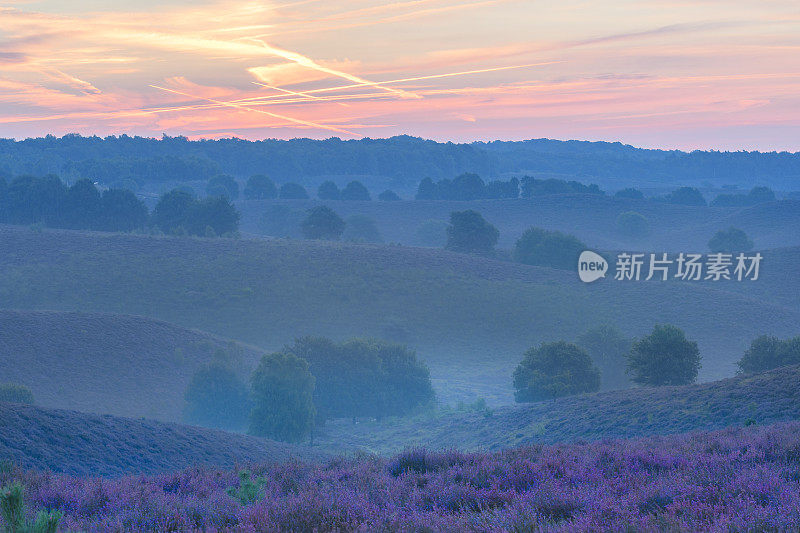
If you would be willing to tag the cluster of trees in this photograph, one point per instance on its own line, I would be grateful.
(532, 187)
(49, 201)
(730, 240)
(323, 223)
(307, 383)
(556, 369)
(757, 195)
(767, 352)
(180, 213)
(467, 186)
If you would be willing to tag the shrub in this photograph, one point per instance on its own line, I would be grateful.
(293, 191)
(328, 191)
(633, 224)
(361, 228)
(355, 190)
(729, 241)
(608, 347)
(470, 232)
(216, 397)
(665, 357)
(14, 393)
(553, 370)
(223, 185)
(388, 196)
(283, 406)
(323, 223)
(12, 508)
(260, 187)
(766, 353)
(548, 248)
(629, 192)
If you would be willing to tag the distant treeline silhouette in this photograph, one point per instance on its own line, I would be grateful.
(50, 202)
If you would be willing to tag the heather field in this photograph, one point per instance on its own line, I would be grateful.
(744, 479)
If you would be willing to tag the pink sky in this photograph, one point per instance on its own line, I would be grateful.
(672, 74)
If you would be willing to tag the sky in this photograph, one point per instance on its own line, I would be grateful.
(721, 74)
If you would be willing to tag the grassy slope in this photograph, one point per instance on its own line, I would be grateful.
(115, 364)
(763, 398)
(471, 318)
(591, 218)
(86, 444)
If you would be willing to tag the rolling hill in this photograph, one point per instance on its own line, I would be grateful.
(104, 445)
(105, 363)
(469, 317)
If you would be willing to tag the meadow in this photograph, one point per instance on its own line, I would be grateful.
(745, 479)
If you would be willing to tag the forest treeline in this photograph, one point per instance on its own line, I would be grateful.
(404, 160)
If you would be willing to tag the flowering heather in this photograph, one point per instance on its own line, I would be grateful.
(730, 480)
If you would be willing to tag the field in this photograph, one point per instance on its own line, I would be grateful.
(733, 480)
(470, 318)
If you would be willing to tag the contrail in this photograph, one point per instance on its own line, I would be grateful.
(274, 115)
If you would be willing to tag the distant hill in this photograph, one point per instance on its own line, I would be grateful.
(470, 318)
(103, 445)
(106, 363)
(761, 399)
(397, 162)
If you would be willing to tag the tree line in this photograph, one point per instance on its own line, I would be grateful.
(307, 383)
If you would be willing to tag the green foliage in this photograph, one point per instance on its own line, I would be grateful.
(766, 353)
(223, 185)
(685, 196)
(553, 370)
(260, 187)
(328, 190)
(12, 508)
(292, 191)
(633, 224)
(470, 232)
(756, 195)
(355, 190)
(388, 196)
(282, 392)
(14, 393)
(120, 210)
(177, 212)
(535, 187)
(216, 397)
(322, 222)
(665, 357)
(541, 247)
(249, 490)
(466, 186)
(608, 347)
(629, 192)
(361, 228)
(170, 212)
(730, 240)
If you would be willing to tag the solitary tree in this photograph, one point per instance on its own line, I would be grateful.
(293, 191)
(633, 224)
(216, 397)
(553, 370)
(664, 357)
(282, 395)
(548, 248)
(328, 191)
(323, 223)
(729, 241)
(355, 190)
(470, 232)
(388, 196)
(260, 187)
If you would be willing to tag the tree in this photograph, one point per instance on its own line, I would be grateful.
(553, 370)
(766, 353)
(355, 190)
(322, 223)
(121, 210)
(633, 224)
(729, 241)
(467, 186)
(215, 213)
(608, 347)
(685, 196)
(14, 393)
(388, 196)
(223, 185)
(82, 205)
(427, 190)
(548, 248)
(31, 200)
(328, 191)
(260, 187)
(502, 189)
(759, 195)
(171, 210)
(217, 398)
(361, 228)
(282, 395)
(293, 191)
(629, 192)
(470, 232)
(664, 357)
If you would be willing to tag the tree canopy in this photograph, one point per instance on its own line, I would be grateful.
(665, 357)
(553, 370)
